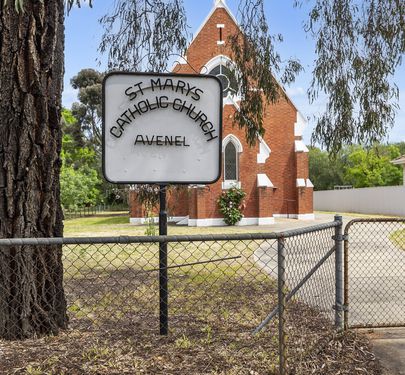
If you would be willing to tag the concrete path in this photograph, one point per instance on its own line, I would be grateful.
(376, 276)
(376, 270)
(389, 348)
(377, 284)
(301, 256)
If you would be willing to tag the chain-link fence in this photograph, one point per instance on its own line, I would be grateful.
(221, 290)
(375, 273)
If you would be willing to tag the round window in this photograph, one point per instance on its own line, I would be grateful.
(227, 78)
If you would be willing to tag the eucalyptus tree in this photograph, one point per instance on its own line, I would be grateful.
(359, 45)
(32, 300)
(87, 110)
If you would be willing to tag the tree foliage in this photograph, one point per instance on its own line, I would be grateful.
(142, 35)
(401, 147)
(80, 181)
(359, 45)
(83, 124)
(88, 110)
(257, 65)
(326, 172)
(71, 127)
(70, 3)
(355, 166)
(79, 187)
(367, 168)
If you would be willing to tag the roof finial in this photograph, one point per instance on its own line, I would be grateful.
(219, 4)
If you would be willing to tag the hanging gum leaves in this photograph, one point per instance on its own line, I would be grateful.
(257, 66)
(142, 34)
(359, 45)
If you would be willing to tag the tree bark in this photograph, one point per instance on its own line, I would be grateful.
(32, 300)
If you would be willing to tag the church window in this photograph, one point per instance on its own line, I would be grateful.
(231, 162)
(232, 149)
(227, 78)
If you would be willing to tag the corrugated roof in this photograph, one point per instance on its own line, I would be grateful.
(398, 161)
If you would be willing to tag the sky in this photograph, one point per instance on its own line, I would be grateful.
(83, 34)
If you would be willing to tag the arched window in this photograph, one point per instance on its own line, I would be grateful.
(231, 148)
(227, 78)
(231, 162)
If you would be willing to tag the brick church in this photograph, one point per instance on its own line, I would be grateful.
(273, 173)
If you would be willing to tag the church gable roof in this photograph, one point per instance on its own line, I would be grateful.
(218, 4)
(204, 47)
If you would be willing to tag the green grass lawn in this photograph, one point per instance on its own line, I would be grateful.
(118, 225)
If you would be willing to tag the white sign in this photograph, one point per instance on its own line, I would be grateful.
(162, 128)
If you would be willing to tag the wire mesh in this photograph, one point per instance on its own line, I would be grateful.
(208, 281)
(303, 254)
(375, 269)
(310, 269)
(111, 283)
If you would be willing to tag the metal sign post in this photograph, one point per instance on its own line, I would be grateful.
(162, 129)
(163, 279)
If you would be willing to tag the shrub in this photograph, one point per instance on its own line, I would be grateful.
(230, 205)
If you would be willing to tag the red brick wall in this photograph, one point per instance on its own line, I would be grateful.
(177, 203)
(281, 165)
(305, 201)
(135, 209)
(204, 47)
(265, 202)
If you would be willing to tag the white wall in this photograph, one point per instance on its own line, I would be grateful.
(385, 200)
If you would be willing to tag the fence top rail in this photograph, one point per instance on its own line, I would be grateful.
(374, 220)
(170, 238)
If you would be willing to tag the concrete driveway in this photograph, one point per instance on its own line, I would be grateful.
(376, 275)
(376, 269)
(376, 281)
(302, 254)
(389, 348)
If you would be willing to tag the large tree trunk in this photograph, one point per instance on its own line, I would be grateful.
(32, 300)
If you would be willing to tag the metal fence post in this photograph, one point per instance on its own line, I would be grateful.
(339, 273)
(346, 277)
(281, 306)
